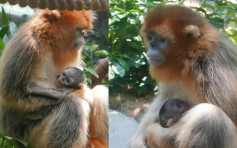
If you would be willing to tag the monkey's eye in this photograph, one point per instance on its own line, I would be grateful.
(162, 40)
(149, 37)
(64, 74)
(84, 33)
(68, 81)
(75, 45)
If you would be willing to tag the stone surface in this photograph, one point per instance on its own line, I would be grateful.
(121, 128)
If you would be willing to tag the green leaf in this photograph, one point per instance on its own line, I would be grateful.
(92, 72)
(134, 45)
(12, 27)
(9, 143)
(123, 64)
(4, 31)
(101, 52)
(21, 141)
(118, 69)
(1, 44)
(1, 140)
(118, 9)
(89, 81)
(25, 15)
(4, 17)
(201, 9)
(115, 69)
(5, 39)
(111, 73)
(16, 142)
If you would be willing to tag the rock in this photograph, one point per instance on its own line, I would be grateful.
(121, 128)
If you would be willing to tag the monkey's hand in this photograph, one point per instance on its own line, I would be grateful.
(65, 93)
(81, 85)
(150, 135)
(137, 141)
(30, 88)
(160, 137)
(59, 94)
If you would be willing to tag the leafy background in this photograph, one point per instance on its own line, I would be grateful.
(128, 64)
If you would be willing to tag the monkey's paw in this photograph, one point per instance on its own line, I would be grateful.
(29, 88)
(137, 142)
(81, 86)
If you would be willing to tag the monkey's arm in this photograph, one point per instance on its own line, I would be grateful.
(138, 138)
(154, 138)
(187, 132)
(47, 92)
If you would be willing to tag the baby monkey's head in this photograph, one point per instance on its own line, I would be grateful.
(71, 77)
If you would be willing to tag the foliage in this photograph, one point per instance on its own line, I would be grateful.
(9, 142)
(96, 48)
(128, 64)
(6, 30)
(222, 14)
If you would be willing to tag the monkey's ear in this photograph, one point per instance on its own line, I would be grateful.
(53, 16)
(192, 31)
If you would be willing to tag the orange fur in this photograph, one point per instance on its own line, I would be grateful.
(80, 92)
(46, 22)
(152, 143)
(98, 126)
(84, 92)
(97, 143)
(171, 23)
(99, 117)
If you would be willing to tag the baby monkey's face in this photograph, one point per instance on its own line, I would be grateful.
(171, 111)
(71, 77)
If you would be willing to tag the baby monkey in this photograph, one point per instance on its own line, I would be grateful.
(72, 79)
(171, 111)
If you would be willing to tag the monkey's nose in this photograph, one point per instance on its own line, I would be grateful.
(77, 45)
(152, 45)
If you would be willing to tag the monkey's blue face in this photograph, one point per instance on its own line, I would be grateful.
(80, 40)
(156, 44)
